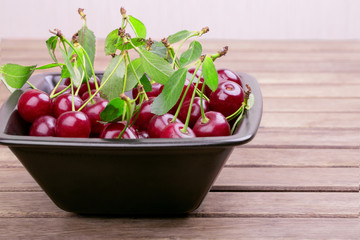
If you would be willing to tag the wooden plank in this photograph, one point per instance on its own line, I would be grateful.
(288, 179)
(311, 120)
(235, 179)
(268, 157)
(306, 138)
(179, 228)
(243, 204)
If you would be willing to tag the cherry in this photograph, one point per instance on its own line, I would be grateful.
(113, 130)
(73, 124)
(63, 103)
(84, 86)
(143, 134)
(158, 123)
(187, 96)
(227, 98)
(86, 94)
(228, 75)
(174, 130)
(156, 89)
(43, 126)
(217, 125)
(93, 110)
(144, 115)
(34, 103)
(195, 110)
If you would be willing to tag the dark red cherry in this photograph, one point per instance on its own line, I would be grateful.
(67, 81)
(158, 123)
(34, 103)
(86, 94)
(156, 89)
(113, 130)
(228, 75)
(144, 116)
(174, 130)
(216, 126)
(195, 110)
(227, 98)
(73, 124)
(43, 126)
(143, 134)
(93, 110)
(84, 87)
(63, 103)
(187, 96)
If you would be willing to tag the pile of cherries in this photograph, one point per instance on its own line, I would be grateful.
(55, 116)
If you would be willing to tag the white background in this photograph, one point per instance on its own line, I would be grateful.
(231, 19)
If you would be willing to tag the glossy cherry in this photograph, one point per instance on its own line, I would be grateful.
(195, 110)
(86, 94)
(43, 126)
(217, 125)
(34, 103)
(84, 87)
(227, 98)
(73, 124)
(144, 116)
(174, 130)
(156, 89)
(228, 75)
(93, 110)
(63, 103)
(113, 130)
(158, 123)
(143, 134)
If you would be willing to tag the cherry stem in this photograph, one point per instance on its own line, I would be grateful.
(31, 85)
(181, 44)
(238, 119)
(204, 119)
(127, 111)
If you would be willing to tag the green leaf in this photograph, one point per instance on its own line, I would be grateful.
(210, 74)
(88, 41)
(65, 72)
(135, 41)
(111, 41)
(171, 93)
(131, 80)
(177, 37)
(16, 75)
(114, 86)
(50, 65)
(74, 72)
(138, 27)
(250, 102)
(51, 45)
(158, 69)
(113, 110)
(191, 54)
(159, 49)
(146, 83)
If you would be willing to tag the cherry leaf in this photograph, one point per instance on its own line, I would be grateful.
(111, 41)
(171, 92)
(51, 45)
(210, 74)
(159, 49)
(177, 37)
(114, 86)
(113, 110)
(50, 65)
(88, 42)
(191, 54)
(158, 69)
(138, 27)
(75, 75)
(135, 41)
(250, 102)
(146, 83)
(14, 75)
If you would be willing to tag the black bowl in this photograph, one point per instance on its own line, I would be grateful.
(108, 176)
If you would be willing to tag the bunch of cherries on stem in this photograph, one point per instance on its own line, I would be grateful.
(63, 114)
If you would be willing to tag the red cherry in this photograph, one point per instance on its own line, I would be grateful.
(158, 123)
(34, 103)
(195, 110)
(216, 126)
(228, 75)
(93, 110)
(86, 94)
(84, 87)
(63, 103)
(143, 134)
(43, 126)
(113, 130)
(144, 115)
(73, 124)
(187, 96)
(156, 89)
(227, 98)
(174, 130)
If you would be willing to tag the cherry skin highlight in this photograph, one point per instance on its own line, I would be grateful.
(227, 98)
(228, 75)
(174, 130)
(217, 125)
(33, 104)
(158, 123)
(113, 130)
(43, 126)
(73, 124)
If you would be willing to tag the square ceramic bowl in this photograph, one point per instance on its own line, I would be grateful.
(127, 176)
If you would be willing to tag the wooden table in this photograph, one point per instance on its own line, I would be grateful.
(298, 179)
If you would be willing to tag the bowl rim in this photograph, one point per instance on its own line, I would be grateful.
(251, 120)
